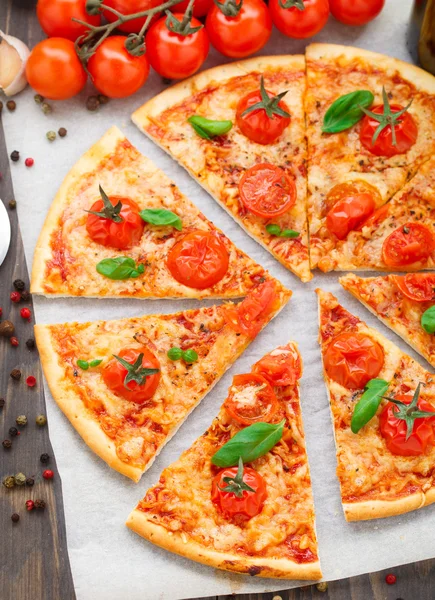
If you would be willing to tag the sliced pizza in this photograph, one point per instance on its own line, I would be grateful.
(127, 385)
(240, 498)
(405, 303)
(383, 411)
(357, 161)
(119, 227)
(239, 129)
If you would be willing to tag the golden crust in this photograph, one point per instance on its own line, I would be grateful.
(379, 509)
(262, 567)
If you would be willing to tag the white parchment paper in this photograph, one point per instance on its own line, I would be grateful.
(108, 561)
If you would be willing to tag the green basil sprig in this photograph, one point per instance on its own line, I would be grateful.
(249, 444)
(346, 111)
(121, 267)
(365, 409)
(189, 356)
(84, 364)
(428, 320)
(236, 485)
(207, 128)
(161, 216)
(278, 232)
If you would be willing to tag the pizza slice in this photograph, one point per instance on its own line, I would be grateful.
(355, 163)
(127, 385)
(119, 227)
(240, 498)
(383, 411)
(239, 129)
(404, 303)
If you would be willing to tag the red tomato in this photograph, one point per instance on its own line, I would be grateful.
(198, 260)
(55, 18)
(376, 218)
(406, 133)
(114, 374)
(347, 214)
(173, 55)
(251, 399)
(114, 71)
(352, 359)
(267, 191)
(419, 287)
(129, 7)
(251, 314)
(116, 235)
(243, 34)
(54, 70)
(200, 7)
(409, 243)
(257, 125)
(393, 430)
(356, 12)
(246, 507)
(280, 367)
(298, 23)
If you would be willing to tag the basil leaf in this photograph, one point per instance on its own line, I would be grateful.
(274, 229)
(428, 320)
(346, 111)
(190, 356)
(175, 354)
(121, 267)
(161, 216)
(249, 444)
(207, 128)
(96, 362)
(83, 364)
(365, 409)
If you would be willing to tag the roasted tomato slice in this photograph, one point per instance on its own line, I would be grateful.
(376, 218)
(393, 430)
(198, 260)
(248, 504)
(251, 399)
(251, 314)
(267, 191)
(352, 359)
(347, 214)
(121, 235)
(406, 133)
(114, 374)
(257, 125)
(280, 367)
(410, 243)
(419, 287)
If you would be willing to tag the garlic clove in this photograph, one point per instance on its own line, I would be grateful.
(13, 58)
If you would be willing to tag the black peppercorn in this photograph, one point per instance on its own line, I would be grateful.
(16, 374)
(62, 132)
(40, 504)
(25, 295)
(12, 204)
(92, 103)
(102, 99)
(30, 481)
(11, 105)
(19, 285)
(13, 431)
(2, 402)
(30, 343)
(7, 444)
(15, 518)
(15, 155)
(44, 458)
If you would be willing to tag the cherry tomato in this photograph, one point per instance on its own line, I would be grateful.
(116, 235)
(200, 7)
(54, 70)
(246, 507)
(243, 34)
(114, 374)
(251, 399)
(114, 71)
(267, 191)
(352, 359)
(356, 12)
(280, 367)
(176, 56)
(347, 214)
(406, 133)
(257, 125)
(251, 314)
(419, 287)
(55, 16)
(129, 7)
(393, 430)
(410, 243)
(376, 218)
(297, 23)
(198, 260)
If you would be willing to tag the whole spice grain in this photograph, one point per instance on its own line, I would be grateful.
(15, 518)
(40, 504)
(48, 474)
(7, 444)
(19, 285)
(15, 155)
(14, 341)
(30, 343)
(29, 162)
(12, 204)
(322, 586)
(92, 103)
(38, 99)
(16, 374)
(20, 479)
(44, 458)
(62, 132)
(41, 420)
(21, 420)
(30, 505)
(13, 431)
(25, 296)
(30, 482)
(31, 381)
(11, 105)
(25, 313)
(51, 136)
(15, 297)
(102, 99)
(46, 108)
(7, 329)
(9, 482)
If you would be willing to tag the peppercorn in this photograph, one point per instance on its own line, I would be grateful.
(2, 402)
(29, 162)
(15, 518)
(48, 474)
(92, 103)
(12, 204)
(102, 99)
(13, 431)
(19, 285)
(21, 420)
(20, 479)
(7, 329)
(322, 586)
(25, 313)
(15, 155)
(16, 374)
(38, 99)
(62, 132)
(7, 444)
(40, 504)
(9, 482)
(44, 458)
(31, 381)
(46, 108)
(30, 505)
(15, 297)
(51, 136)
(390, 579)
(30, 481)
(25, 295)
(30, 343)
(11, 105)
(14, 341)
(41, 420)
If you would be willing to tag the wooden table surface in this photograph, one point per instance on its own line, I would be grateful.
(34, 561)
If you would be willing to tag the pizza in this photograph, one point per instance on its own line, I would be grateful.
(127, 385)
(353, 167)
(404, 303)
(242, 137)
(383, 412)
(240, 498)
(119, 227)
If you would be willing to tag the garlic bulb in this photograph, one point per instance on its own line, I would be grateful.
(13, 58)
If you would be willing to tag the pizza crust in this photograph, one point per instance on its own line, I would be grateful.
(378, 509)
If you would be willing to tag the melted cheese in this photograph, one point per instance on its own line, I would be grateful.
(246, 396)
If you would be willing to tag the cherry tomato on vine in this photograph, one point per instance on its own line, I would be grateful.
(129, 7)
(410, 243)
(419, 287)
(251, 399)
(55, 16)
(251, 314)
(200, 7)
(267, 191)
(240, 35)
(176, 55)
(249, 504)
(406, 133)
(114, 374)
(301, 22)
(280, 367)
(356, 12)
(54, 70)
(114, 71)
(120, 235)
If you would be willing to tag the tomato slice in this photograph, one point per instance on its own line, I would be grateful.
(406, 133)
(352, 359)
(121, 235)
(249, 504)
(376, 218)
(114, 374)
(251, 399)
(419, 287)
(267, 191)
(410, 243)
(250, 315)
(347, 214)
(198, 260)
(281, 367)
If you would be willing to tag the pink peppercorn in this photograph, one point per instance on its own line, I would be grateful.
(31, 381)
(25, 313)
(391, 579)
(29, 162)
